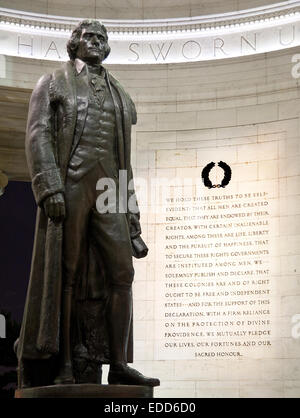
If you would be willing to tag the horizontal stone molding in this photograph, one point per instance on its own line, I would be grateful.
(210, 37)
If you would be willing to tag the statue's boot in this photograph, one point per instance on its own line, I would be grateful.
(125, 375)
(119, 328)
(65, 375)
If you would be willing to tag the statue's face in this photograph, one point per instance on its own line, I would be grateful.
(92, 45)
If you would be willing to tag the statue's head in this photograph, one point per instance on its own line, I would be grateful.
(89, 42)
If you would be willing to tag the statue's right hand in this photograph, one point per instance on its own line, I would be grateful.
(54, 207)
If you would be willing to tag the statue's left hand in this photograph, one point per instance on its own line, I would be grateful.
(54, 207)
(135, 226)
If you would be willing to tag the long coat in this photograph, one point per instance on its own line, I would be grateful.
(50, 144)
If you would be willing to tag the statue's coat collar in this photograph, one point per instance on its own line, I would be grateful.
(80, 65)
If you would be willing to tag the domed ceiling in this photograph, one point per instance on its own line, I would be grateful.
(132, 9)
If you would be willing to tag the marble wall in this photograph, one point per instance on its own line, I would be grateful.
(245, 112)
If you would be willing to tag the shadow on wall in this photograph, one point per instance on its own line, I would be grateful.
(17, 221)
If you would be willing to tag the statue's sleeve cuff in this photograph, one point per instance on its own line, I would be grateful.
(46, 184)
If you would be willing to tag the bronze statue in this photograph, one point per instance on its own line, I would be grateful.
(78, 312)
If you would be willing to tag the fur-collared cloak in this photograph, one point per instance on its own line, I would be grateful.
(50, 144)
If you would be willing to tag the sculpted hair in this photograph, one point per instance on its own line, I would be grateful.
(73, 42)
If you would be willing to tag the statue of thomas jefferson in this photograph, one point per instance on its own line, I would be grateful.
(78, 311)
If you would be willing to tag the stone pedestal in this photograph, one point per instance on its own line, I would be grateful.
(86, 390)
